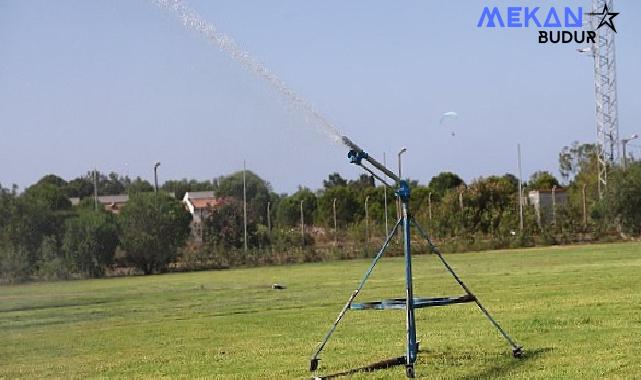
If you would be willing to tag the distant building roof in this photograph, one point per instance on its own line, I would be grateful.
(199, 194)
(109, 199)
(206, 202)
(558, 190)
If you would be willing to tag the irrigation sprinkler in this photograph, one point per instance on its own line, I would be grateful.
(360, 158)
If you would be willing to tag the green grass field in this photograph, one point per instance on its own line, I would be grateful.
(576, 310)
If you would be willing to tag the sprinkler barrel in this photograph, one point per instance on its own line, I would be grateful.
(356, 155)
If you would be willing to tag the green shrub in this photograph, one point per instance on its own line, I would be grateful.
(14, 265)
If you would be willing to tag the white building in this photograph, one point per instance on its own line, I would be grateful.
(200, 204)
(546, 204)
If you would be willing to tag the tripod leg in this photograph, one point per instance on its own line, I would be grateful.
(314, 360)
(409, 297)
(517, 351)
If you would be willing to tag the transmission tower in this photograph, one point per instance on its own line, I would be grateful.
(605, 86)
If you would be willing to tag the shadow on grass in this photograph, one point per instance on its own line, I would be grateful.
(384, 364)
(504, 368)
(491, 372)
(55, 304)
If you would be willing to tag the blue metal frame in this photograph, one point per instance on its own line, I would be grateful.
(409, 303)
(419, 303)
(314, 361)
(410, 320)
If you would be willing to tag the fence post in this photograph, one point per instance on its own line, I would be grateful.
(585, 213)
(302, 225)
(554, 205)
(366, 225)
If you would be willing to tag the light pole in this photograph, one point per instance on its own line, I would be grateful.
(429, 205)
(624, 143)
(403, 150)
(127, 181)
(398, 201)
(245, 204)
(269, 222)
(518, 149)
(156, 165)
(95, 190)
(335, 225)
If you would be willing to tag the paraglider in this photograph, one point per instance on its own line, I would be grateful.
(448, 115)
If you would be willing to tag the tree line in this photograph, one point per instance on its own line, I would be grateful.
(43, 236)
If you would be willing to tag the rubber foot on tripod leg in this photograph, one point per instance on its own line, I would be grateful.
(517, 352)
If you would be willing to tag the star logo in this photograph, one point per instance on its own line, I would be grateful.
(606, 18)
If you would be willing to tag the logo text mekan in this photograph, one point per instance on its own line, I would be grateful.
(525, 17)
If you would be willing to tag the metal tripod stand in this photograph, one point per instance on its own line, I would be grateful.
(409, 303)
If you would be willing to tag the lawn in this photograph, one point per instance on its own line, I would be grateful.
(576, 310)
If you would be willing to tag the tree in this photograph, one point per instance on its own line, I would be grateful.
(111, 184)
(622, 199)
(224, 227)
(363, 182)
(90, 242)
(52, 179)
(579, 164)
(488, 201)
(574, 158)
(52, 265)
(444, 181)
(512, 181)
(38, 213)
(419, 199)
(258, 193)
(7, 204)
(542, 180)
(153, 227)
(80, 187)
(14, 264)
(49, 192)
(347, 206)
(334, 180)
(288, 213)
(139, 185)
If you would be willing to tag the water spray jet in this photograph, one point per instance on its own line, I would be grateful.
(194, 22)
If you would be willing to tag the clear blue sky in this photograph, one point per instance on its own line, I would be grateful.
(121, 84)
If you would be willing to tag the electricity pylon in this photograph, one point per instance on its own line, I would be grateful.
(605, 87)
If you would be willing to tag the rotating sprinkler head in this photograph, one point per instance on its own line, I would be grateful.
(356, 155)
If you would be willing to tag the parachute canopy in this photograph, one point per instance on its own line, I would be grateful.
(448, 115)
